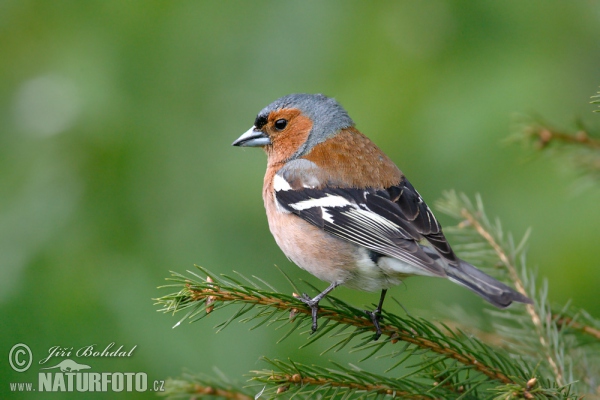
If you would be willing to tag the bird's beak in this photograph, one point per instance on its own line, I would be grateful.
(252, 138)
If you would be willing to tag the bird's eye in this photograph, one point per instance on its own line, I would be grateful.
(280, 124)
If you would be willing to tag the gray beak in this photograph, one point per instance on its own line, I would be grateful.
(252, 138)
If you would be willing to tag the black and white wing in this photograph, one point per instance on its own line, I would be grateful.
(389, 222)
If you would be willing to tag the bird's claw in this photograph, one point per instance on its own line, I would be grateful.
(314, 308)
(375, 318)
(306, 299)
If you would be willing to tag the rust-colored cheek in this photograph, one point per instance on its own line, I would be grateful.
(287, 142)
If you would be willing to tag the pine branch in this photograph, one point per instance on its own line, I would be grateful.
(298, 379)
(543, 136)
(475, 219)
(514, 276)
(579, 321)
(570, 323)
(200, 385)
(581, 147)
(216, 292)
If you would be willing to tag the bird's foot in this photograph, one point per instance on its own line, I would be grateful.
(313, 303)
(375, 318)
(314, 308)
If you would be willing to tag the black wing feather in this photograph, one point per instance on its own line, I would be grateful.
(415, 210)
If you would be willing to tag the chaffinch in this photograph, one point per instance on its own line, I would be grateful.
(339, 208)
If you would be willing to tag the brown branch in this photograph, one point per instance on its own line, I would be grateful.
(546, 135)
(514, 276)
(211, 391)
(297, 379)
(396, 334)
(568, 322)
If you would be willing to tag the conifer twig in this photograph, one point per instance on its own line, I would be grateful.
(571, 323)
(317, 381)
(212, 293)
(297, 379)
(395, 333)
(212, 391)
(191, 386)
(547, 135)
(580, 146)
(514, 276)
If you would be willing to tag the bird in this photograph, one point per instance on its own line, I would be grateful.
(340, 208)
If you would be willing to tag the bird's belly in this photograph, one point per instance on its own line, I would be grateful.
(327, 257)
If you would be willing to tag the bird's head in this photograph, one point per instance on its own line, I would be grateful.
(292, 125)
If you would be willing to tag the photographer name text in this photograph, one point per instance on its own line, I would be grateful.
(92, 350)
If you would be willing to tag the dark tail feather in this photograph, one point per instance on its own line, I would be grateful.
(484, 285)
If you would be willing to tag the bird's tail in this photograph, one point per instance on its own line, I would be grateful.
(484, 285)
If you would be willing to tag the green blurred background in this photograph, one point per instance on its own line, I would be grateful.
(116, 165)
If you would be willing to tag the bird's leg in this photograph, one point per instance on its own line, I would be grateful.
(376, 315)
(314, 303)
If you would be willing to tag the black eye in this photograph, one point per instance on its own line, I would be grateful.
(280, 124)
